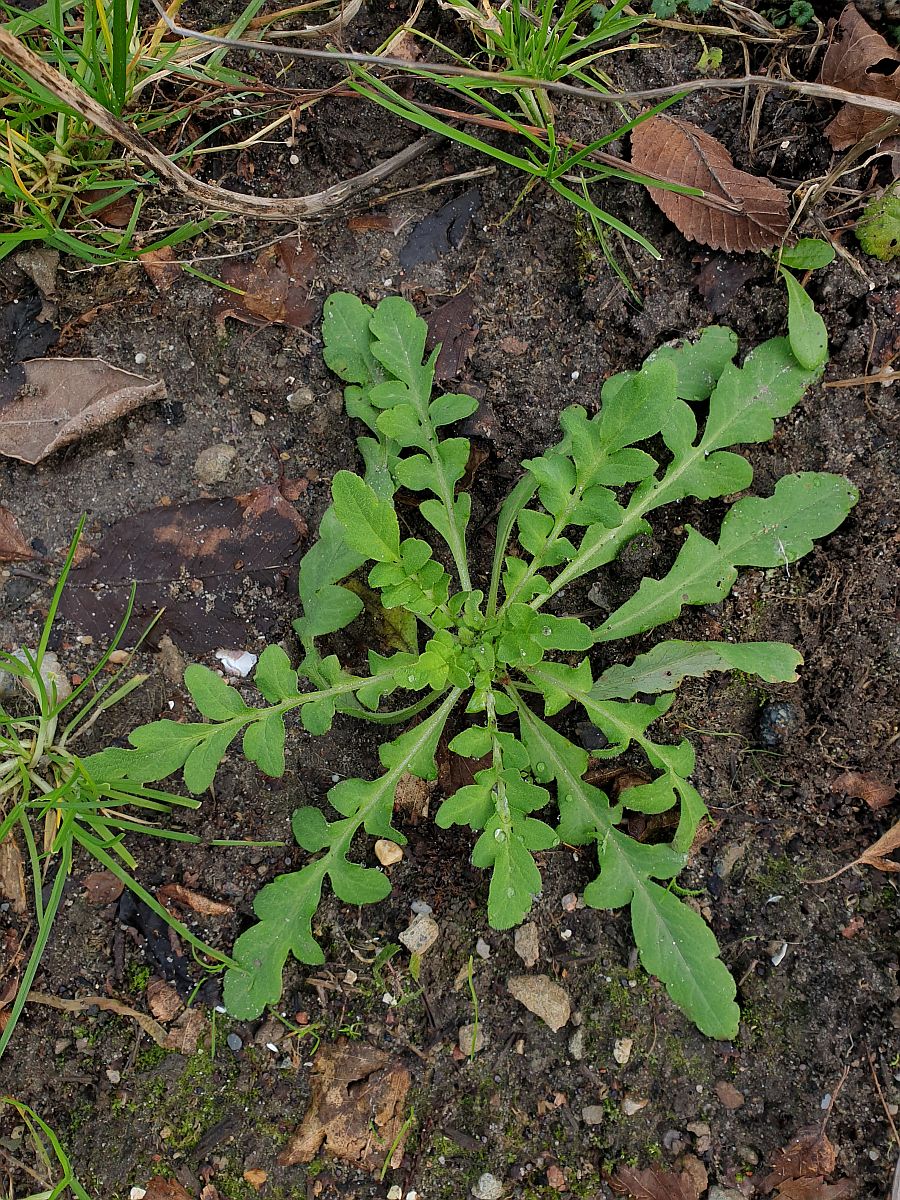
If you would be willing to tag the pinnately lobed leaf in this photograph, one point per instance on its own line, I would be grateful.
(513, 665)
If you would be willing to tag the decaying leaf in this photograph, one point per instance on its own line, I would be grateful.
(655, 1183)
(356, 1108)
(13, 547)
(256, 1177)
(162, 267)
(451, 326)
(858, 60)
(152, 1028)
(877, 793)
(64, 400)
(684, 154)
(184, 1036)
(200, 561)
(177, 893)
(875, 856)
(165, 1189)
(102, 887)
(273, 290)
(163, 1001)
(442, 231)
(12, 875)
(806, 1156)
(816, 1189)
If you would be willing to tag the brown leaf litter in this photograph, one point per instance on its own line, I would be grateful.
(275, 289)
(877, 793)
(200, 561)
(102, 887)
(12, 875)
(356, 1108)
(859, 60)
(655, 1183)
(685, 154)
(177, 893)
(799, 1170)
(65, 400)
(13, 547)
(875, 856)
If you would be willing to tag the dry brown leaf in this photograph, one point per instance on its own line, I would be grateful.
(12, 875)
(102, 887)
(655, 1183)
(274, 290)
(162, 267)
(356, 1108)
(165, 1189)
(877, 793)
(179, 894)
(807, 1156)
(13, 547)
(64, 400)
(184, 1036)
(875, 856)
(684, 154)
(256, 1177)
(858, 60)
(163, 1001)
(816, 1189)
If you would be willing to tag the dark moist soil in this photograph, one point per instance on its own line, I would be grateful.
(816, 964)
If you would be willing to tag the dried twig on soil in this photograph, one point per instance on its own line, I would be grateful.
(218, 199)
(152, 1028)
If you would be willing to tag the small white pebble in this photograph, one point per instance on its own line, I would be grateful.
(778, 956)
(575, 375)
(565, 934)
(389, 999)
(140, 358)
(482, 949)
(236, 112)
(420, 908)
(294, 160)
(335, 779)
(388, 281)
(825, 1101)
(271, 1046)
(395, 1193)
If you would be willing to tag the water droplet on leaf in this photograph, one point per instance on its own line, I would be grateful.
(499, 835)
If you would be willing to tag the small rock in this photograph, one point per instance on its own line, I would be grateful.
(633, 1104)
(257, 417)
(488, 1187)
(701, 1132)
(729, 1096)
(395, 1193)
(748, 1155)
(234, 1042)
(569, 902)
(300, 398)
(214, 463)
(387, 852)
(776, 722)
(137, 1193)
(421, 934)
(556, 1178)
(691, 1165)
(622, 1050)
(420, 908)
(720, 1193)
(482, 949)
(61, 1045)
(576, 1045)
(543, 997)
(526, 943)
(466, 1035)
(593, 1114)
(270, 1033)
(729, 858)
(673, 1141)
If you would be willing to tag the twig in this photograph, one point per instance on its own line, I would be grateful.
(152, 1028)
(218, 199)
(887, 1111)
(885, 378)
(819, 90)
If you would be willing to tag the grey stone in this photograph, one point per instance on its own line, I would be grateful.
(234, 1042)
(593, 1114)
(214, 463)
(421, 934)
(526, 943)
(488, 1187)
(472, 1039)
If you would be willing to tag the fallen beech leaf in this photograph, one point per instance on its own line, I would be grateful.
(356, 1108)
(683, 153)
(256, 1177)
(162, 267)
(655, 1183)
(198, 561)
(64, 400)
(274, 290)
(13, 547)
(165, 1189)
(12, 875)
(858, 60)
(184, 1036)
(877, 793)
(163, 1001)
(201, 904)
(102, 887)
(807, 1156)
